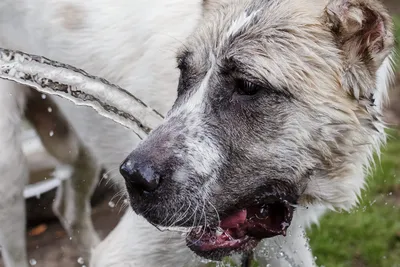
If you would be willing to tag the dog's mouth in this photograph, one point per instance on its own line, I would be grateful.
(240, 231)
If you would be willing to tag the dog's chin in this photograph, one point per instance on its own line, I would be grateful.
(241, 231)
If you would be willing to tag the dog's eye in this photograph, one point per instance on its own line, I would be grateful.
(182, 59)
(181, 64)
(246, 88)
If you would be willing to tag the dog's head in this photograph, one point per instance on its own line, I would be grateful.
(278, 104)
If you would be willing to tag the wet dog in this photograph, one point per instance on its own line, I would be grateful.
(276, 112)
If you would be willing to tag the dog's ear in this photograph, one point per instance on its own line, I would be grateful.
(363, 31)
(362, 28)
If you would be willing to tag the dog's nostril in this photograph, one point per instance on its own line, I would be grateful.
(142, 178)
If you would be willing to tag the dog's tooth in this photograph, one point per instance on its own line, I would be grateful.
(219, 232)
(229, 236)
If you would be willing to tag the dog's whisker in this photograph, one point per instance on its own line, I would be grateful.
(179, 215)
(216, 211)
(175, 216)
(205, 222)
(106, 175)
(121, 193)
(205, 217)
(123, 206)
(185, 213)
(124, 203)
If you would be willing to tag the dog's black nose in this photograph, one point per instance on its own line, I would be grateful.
(141, 177)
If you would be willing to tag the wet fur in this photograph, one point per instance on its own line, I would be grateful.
(309, 137)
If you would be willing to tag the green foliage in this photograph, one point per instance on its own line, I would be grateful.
(369, 235)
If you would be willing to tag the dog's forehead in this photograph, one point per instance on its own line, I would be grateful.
(249, 20)
(283, 41)
(255, 27)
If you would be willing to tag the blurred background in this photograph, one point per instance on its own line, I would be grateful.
(369, 236)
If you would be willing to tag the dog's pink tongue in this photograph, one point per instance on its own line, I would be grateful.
(234, 220)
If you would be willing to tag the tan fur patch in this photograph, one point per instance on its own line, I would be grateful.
(72, 16)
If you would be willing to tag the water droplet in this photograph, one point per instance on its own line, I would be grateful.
(111, 204)
(202, 260)
(285, 225)
(218, 232)
(81, 260)
(51, 133)
(390, 193)
(44, 96)
(32, 262)
(49, 109)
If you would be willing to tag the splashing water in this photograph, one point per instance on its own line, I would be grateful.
(224, 264)
(111, 204)
(54, 78)
(289, 259)
(81, 261)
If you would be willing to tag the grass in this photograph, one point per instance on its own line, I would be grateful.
(369, 235)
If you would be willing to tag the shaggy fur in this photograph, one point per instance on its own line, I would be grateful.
(321, 70)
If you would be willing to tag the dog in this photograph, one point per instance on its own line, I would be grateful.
(275, 119)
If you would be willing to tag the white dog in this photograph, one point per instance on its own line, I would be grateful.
(276, 119)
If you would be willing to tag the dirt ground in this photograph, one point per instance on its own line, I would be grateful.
(393, 6)
(54, 248)
(49, 245)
